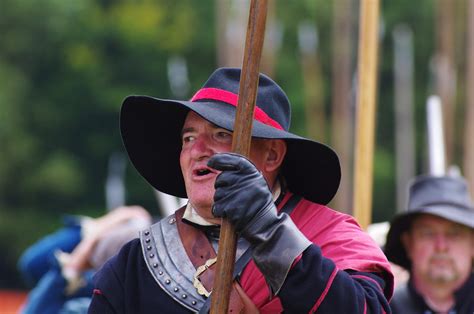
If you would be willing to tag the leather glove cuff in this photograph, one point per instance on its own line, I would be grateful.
(275, 246)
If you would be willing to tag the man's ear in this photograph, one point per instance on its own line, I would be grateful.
(472, 246)
(275, 154)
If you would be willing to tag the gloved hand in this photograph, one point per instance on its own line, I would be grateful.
(243, 196)
(242, 193)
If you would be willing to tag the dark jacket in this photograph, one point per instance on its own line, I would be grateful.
(407, 300)
(343, 271)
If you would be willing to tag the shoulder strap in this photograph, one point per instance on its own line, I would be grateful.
(288, 206)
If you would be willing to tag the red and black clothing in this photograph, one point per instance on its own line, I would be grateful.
(343, 271)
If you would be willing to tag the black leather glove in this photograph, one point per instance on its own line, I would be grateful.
(243, 196)
(239, 175)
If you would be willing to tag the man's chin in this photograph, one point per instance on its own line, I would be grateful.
(202, 206)
(443, 277)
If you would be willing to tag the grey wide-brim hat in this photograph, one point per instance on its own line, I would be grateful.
(446, 197)
(151, 132)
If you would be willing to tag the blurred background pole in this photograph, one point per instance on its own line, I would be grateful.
(231, 16)
(230, 32)
(234, 28)
(365, 122)
(178, 78)
(115, 183)
(404, 130)
(312, 81)
(468, 162)
(445, 78)
(222, 13)
(272, 43)
(436, 146)
(342, 114)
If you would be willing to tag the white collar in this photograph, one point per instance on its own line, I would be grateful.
(191, 215)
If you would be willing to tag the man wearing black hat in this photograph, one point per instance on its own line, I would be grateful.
(434, 241)
(293, 253)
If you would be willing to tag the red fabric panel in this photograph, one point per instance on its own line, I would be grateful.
(340, 239)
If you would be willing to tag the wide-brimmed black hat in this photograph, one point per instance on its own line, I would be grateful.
(151, 132)
(446, 197)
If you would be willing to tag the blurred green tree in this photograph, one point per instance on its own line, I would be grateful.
(65, 67)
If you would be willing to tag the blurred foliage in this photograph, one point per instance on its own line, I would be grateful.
(65, 67)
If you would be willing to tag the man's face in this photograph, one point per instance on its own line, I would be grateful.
(441, 251)
(200, 141)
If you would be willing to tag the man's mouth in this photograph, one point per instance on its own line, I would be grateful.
(441, 261)
(202, 172)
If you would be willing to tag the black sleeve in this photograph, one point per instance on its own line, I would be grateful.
(125, 285)
(109, 292)
(314, 284)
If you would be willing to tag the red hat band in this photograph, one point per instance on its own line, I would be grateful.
(233, 99)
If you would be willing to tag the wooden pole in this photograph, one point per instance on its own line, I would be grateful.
(240, 144)
(342, 120)
(446, 72)
(272, 44)
(404, 126)
(235, 33)
(312, 81)
(365, 122)
(469, 116)
(222, 17)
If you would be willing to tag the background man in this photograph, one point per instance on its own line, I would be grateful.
(434, 240)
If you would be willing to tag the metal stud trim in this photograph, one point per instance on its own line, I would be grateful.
(155, 240)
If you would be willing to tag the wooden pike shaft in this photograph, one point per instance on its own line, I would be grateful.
(404, 126)
(240, 144)
(468, 162)
(365, 123)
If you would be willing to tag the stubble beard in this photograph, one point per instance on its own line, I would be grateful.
(442, 274)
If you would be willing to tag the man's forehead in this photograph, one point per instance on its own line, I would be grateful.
(428, 220)
(193, 118)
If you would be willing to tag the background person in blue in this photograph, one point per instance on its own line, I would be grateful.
(294, 254)
(60, 266)
(434, 241)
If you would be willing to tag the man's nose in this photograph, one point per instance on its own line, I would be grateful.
(441, 242)
(201, 148)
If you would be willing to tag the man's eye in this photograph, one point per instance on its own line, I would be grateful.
(223, 135)
(427, 234)
(457, 233)
(188, 138)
